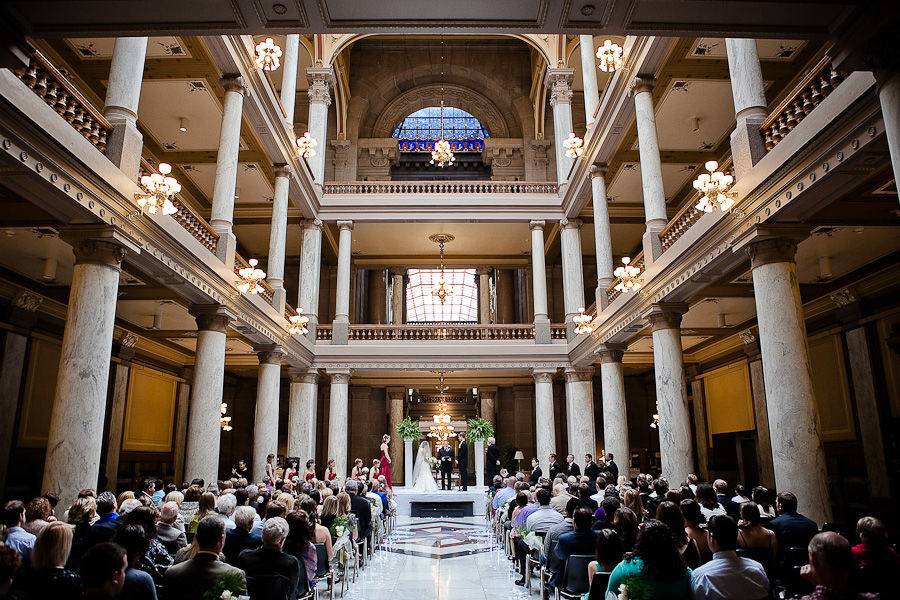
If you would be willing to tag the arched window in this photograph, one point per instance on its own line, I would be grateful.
(419, 131)
(423, 306)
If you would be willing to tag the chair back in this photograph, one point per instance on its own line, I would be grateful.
(271, 587)
(598, 586)
(763, 556)
(575, 575)
(322, 566)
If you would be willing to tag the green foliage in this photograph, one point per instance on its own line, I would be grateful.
(230, 582)
(478, 429)
(408, 429)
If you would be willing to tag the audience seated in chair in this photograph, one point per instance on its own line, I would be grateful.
(728, 575)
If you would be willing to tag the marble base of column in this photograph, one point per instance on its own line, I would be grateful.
(542, 331)
(279, 299)
(748, 145)
(407, 463)
(651, 243)
(123, 148)
(265, 423)
(600, 296)
(479, 463)
(226, 247)
(181, 425)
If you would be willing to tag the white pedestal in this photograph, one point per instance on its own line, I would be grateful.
(407, 463)
(479, 464)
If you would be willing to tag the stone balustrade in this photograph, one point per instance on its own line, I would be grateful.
(441, 332)
(267, 293)
(680, 223)
(195, 225)
(441, 187)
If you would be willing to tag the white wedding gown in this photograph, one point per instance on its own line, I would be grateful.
(423, 479)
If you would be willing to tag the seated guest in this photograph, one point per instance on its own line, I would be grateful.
(536, 472)
(12, 516)
(609, 506)
(168, 531)
(584, 494)
(272, 509)
(148, 489)
(693, 519)
(543, 517)
(829, 568)
(548, 557)
(195, 577)
(600, 486)
(626, 526)
(761, 496)
(792, 530)
(299, 544)
(631, 498)
(505, 494)
(723, 498)
(269, 560)
(240, 538)
(739, 495)
(582, 540)
(519, 505)
(103, 571)
(560, 497)
(225, 506)
(709, 504)
(104, 529)
(82, 514)
(609, 554)
(138, 583)
(206, 504)
(49, 576)
(330, 509)
(322, 535)
(360, 507)
(37, 515)
(728, 575)
(669, 513)
(655, 566)
(10, 562)
(156, 559)
(752, 534)
(875, 559)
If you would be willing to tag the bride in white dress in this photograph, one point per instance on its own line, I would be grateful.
(423, 479)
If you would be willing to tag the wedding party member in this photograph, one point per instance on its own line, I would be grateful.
(445, 456)
(270, 468)
(462, 458)
(491, 459)
(591, 469)
(611, 466)
(553, 467)
(291, 471)
(310, 473)
(193, 578)
(357, 471)
(330, 472)
(385, 466)
(374, 471)
(572, 468)
(536, 472)
(241, 471)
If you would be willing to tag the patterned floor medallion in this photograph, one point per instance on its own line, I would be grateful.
(439, 539)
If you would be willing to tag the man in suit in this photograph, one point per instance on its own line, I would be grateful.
(536, 472)
(612, 467)
(491, 460)
(360, 507)
(446, 456)
(553, 466)
(192, 578)
(108, 524)
(591, 470)
(791, 528)
(269, 562)
(582, 540)
(731, 507)
(572, 468)
(462, 458)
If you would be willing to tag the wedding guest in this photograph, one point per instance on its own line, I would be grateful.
(269, 560)
(560, 498)
(572, 468)
(552, 537)
(299, 544)
(360, 507)
(148, 488)
(12, 516)
(49, 576)
(225, 505)
(505, 494)
(739, 496)
(544, 516)
(632, 499)
(104, 529)
(728, 575)
(344, 509)
(168, 531)
(37, 513)
(582, 540)
(655, 566)
(139, 584)
(195, 577)
(608, 555)
(669, 514)
(240, 538)
(205, 505)
(156, 559)
(10, 563)
(761, 496)
(724, 499)
(791, 528)
(709, 503)
(103, 571)
(693, 519)
(829, 568)
(751, 532)
(322, 535)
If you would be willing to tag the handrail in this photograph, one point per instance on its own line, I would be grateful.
(442, 332)
(611, 292)
(441, 187)
(195, 225)
(677, 225)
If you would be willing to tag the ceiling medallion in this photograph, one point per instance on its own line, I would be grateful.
(628, 276)
(442, 290)
(158, 191)
(610, 56)
(268, 54)
(574, 146)
(250, 277)
(713, 187)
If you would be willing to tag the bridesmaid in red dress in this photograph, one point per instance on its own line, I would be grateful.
(386, 460)
(310, 470)
(330, 472)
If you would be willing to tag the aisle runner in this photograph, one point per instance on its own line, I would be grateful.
(439, 539)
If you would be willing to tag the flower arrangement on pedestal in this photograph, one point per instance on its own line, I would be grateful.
(408, 429)
(478, 429)
(340, 526)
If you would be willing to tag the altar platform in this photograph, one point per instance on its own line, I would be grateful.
(452, 503)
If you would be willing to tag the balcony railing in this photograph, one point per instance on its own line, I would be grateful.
(195, 225)
(679, 224)
(611, 292)
(441, 187)
(268, 293)
(441, 332)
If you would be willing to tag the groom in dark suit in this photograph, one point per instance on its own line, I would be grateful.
(463, 460)
(445, 456)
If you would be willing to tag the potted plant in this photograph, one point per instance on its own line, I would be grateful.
(478, 430)
(408, 430)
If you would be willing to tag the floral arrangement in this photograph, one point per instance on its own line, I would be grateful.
(523, 531)
(408, 429)
(227, 586)
(339, 527)
(434, 462)
(478, 429)
(634, 588)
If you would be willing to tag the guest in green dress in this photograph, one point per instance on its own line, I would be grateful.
(655, 569)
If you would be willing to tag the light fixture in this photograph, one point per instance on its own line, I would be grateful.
(610, 56)
(298, 323)
(442, 154)
(442, 290)
(713, 187)
(307, 145)
(224, 420)
(583, 322)
(474, 391)
(574, 146)
(158, 191)
(654, 424)
(268, 54)
(627, 276)
(182, 124)
(250, 277)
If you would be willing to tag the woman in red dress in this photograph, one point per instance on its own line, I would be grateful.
(386, 460)
(310, 470)
(330, 473)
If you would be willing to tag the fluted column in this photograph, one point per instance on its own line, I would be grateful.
(602, 235)
(580, 412)
(651, 167)
(615, 412)
(123, 93)
(396, 397)
(573, 271)
(560, 83)
(222, 215)
(544, 419)
(589, 78)
(675, 444)
(310, 269)
(320, 81)
(748, 145)
(302, 413)
(75, 437)
(289, 76)
(539, 281)
(338, 413)
(265, 424)
(277, 236)
(341, 327)
(397, 295)
(797, 454)
(484, 295)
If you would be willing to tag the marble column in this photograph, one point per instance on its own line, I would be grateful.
(277, 237)
(797, 453)
(204, 425)
(544, 420)
(602, 235)
(320, 81)
(488, 397)
(75, 437)
(116, 423)
(651, 167)
(265, 423)
(302, 412)
(580, 412)
(12, 370)
(338, 420)
(123, 94)
(573, 272)
(310, 270)
(748, 145)
(377, 300)
(539, 281)
(760, 411)
(341, 326)
(589, 78)
(484, 295)
(560, 83)
(289, 76)
(181, 423)
(505, 296)
(676, 446)
(397, 295)
(701, 430)
(396, 397)
(615, 411)
(222, 215)
(889, 96)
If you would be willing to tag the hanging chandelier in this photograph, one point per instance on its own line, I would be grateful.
(158, 191)
(574, 146)
(713, 187)
(442, 388)
(268, 54)
(583, 322)
(610, 56)
(654, 424)
(298, 323)
(442, 290)
(250, 277)
(224, 420)
(307, 145)
(442, 154)
(628, 276)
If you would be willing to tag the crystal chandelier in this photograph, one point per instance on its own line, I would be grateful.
(442, 290)
(574, 146)
(713, 187)
(442, 154)
(307, 145)
(610, 56)
(627, 276)
(250, 277)
(298, 323)
(654, 424)
(583, 322)
(267, 55)
(158, 191)
(224, 420)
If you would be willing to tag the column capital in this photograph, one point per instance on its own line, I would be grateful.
(766, 244)
(574, 375)
(304, 375)
(543, 376)
(642, 83)
(339, 376)
(101, 245)
(611, 353)
(270, 354)
(750, 340)
(398, 271)
(532, 225)
(312, 224)
(281, 170)
(211, 317)
(487, 390)
(345, 225)
(666, 315)
(559, 82)
(599, 170)
(570, 223)
(234, 83)
(484, 270)
(394, 393)
(320, 81)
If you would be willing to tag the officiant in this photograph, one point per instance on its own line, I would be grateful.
(446, 456)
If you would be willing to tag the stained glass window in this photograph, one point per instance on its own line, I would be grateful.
(419, 131)
(423, 306)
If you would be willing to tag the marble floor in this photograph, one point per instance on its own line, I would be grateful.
(438, 559)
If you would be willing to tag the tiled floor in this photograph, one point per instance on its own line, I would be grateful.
(438, 559)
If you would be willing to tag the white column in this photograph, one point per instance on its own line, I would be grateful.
(79, 408)
(407, 463)
(580, 412)
(397, 294)
(602, 235)
(797, 454)
(277, 236)
(320, 81)
(204, 425)
(338, 413)
(265, 423)
(544, 420)
(573, 272)
(676, 446)
(651, 167)
(889, 97)
(123, 94)
(479, 463)
(222, 214)
(289, 76)
(589, 78)
(748, 145)
(341, 326)
(181, 423)
(302, 413)
(310, 270)
(539, 284)
(484, 295)
(615, 412)
(395, 415)
(560, 83)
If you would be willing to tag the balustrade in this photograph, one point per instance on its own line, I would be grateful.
(267, 292)
(441, 187)
(679, 224)
(441, 332)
